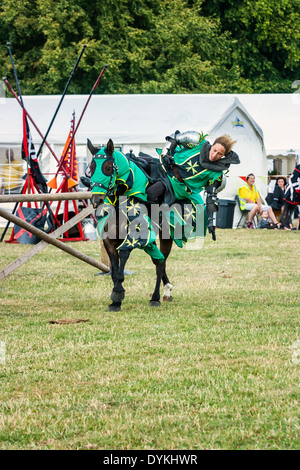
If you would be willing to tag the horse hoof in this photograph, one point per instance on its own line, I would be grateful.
(114, 308)
(154, 303)
(167, 298)
(117, 296)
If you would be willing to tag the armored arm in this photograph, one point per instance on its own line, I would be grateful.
(212, 205)
(187, 139)
(169, 148)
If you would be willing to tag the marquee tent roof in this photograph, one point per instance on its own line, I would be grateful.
(130, 119)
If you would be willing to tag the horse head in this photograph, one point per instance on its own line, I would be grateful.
(103, 172)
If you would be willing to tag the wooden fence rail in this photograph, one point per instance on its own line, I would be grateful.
(52, 241)
(43, 197)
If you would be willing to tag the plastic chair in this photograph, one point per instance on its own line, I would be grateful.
(244, 215)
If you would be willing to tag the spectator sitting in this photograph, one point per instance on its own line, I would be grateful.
(250, 200)
(275, 199)
(266, 222)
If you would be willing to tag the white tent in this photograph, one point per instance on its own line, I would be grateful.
(141, 122)
(279, 117)
(146, 118)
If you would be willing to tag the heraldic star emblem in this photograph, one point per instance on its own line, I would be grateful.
(103, 211)
(192, 167)
(189, 214)
(133, 207)
(132, 243)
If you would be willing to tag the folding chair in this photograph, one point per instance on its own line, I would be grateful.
(244, 215)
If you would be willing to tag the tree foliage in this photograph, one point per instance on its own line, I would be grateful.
(267, 40)
(152, 46)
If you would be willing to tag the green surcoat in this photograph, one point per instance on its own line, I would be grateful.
(195, 177)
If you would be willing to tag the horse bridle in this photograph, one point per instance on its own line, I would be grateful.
(115, 168)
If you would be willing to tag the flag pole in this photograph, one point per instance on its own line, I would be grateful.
(61, 100)
(71, 140)
(22, 105)
(83, 111)
(29, 117)
(25, 124)
(60, 163)
(41, 135)
(15, 73)
(20, 94)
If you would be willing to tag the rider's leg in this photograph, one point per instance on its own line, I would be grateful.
(155, 191)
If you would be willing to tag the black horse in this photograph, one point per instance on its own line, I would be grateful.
(112, 240)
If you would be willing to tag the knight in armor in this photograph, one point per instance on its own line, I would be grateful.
(192, 164)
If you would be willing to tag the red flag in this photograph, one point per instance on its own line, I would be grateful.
(29, 154)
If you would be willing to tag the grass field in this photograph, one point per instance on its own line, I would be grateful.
(217, 368)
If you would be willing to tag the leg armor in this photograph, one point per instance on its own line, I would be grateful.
(212, 205)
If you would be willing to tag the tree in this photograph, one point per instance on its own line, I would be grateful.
(152, 46)
(267, 35)
(46, 36)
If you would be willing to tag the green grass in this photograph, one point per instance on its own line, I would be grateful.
(214, 369)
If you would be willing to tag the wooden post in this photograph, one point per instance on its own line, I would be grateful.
(52, 241)
(42, 244)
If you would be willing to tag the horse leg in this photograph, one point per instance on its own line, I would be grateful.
(168, 287)
(160, 267)
(161, 274)
(165, 248)
(117, 294)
